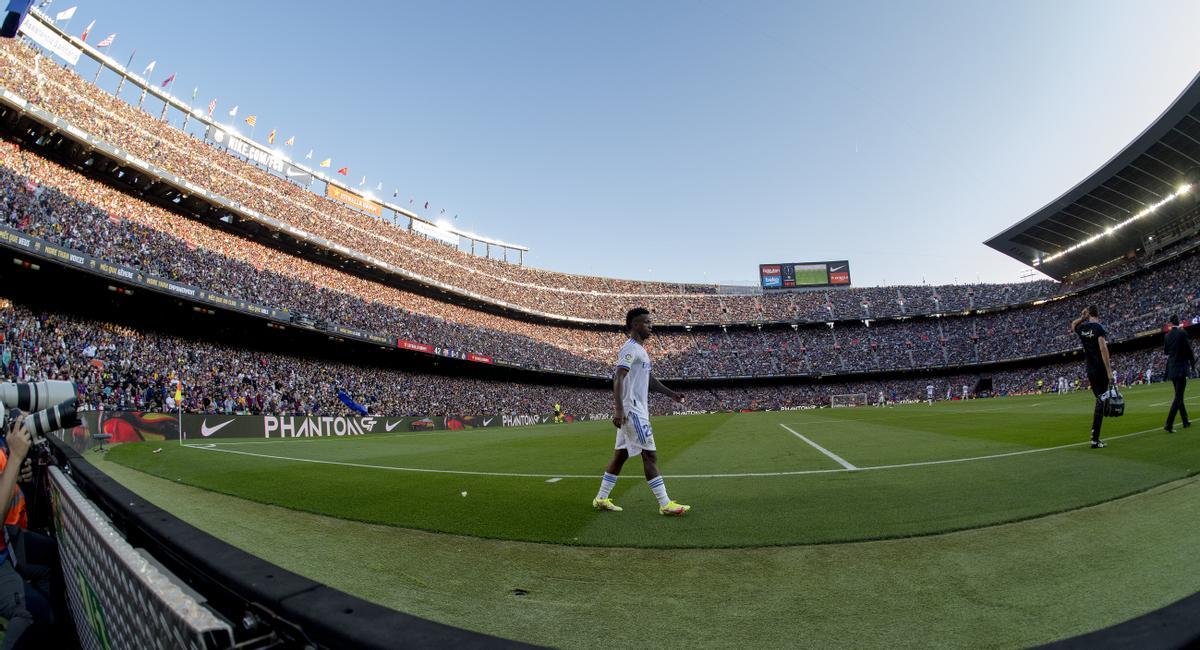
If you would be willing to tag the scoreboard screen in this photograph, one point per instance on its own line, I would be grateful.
(791, 275)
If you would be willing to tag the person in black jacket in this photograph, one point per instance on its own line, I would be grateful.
(1180, 359)
(1092, 336)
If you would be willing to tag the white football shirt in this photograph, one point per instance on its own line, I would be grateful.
(635, 391)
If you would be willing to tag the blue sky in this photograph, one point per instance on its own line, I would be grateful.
(690, 141)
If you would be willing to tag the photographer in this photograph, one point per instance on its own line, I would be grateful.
(16, 601)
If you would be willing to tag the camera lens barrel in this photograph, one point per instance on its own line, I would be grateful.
(59, 416)
(35, 396)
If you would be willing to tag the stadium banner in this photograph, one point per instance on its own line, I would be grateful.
(479, 358)
(350, 198)
(42, 35)
(246, 148)
(146, 426)
(414, 346)
(297, 174)
(119, 598)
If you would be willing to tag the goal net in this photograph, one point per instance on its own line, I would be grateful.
(850, 399)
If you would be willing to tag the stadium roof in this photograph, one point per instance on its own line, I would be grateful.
(1110, 213)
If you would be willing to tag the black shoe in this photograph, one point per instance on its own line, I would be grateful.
(1098, 444)
(1169, 429)
(1187, 424)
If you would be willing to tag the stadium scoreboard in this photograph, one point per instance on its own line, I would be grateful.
(792, 275)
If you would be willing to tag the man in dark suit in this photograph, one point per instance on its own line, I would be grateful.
(1180, 359)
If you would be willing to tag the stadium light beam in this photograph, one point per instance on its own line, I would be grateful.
(1183, 189)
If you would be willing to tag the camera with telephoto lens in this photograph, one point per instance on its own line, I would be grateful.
(50, 406)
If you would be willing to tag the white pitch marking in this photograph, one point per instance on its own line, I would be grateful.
(1186, 399)
(802, 472)
(837, 459)
(556, 479)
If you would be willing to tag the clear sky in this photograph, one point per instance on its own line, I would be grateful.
(690, 141)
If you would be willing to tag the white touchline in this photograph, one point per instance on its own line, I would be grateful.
(837, 459)
(800, 472)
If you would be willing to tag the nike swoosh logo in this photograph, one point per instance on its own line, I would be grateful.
(836, 268)
(207, 431)
(393, 425)
(487, 421)
(289, 172)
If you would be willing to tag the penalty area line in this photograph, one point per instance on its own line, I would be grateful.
(837, 459)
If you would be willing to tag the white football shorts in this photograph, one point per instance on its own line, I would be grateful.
(636, 434)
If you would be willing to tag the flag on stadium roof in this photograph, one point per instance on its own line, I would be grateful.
(65, 15)
(108, 41)
(344, 171)
(251, 120)
(326, 162)
(167, 82)
(379, 187)
(233, 111)
(212, 106)
(271, 137)
(308, 156)
(363, 181)
(86, 30)
(194, 91)
(291, 141)
(395, 193)
(149, 68)
(427, 205)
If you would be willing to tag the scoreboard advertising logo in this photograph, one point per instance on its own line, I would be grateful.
(790, 275)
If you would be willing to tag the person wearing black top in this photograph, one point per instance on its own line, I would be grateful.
(1180, 359)
(1099, 369)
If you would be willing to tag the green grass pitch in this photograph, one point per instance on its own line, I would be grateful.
(754, 481)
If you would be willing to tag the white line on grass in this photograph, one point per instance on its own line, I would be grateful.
(837, 459)
(802, 472)
(1186, 399)
(556, 479)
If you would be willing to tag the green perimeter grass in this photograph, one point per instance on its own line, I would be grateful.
(728, 511)
(1014, 585)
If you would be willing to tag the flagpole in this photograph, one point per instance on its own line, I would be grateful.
(97, 77)
(125, 75)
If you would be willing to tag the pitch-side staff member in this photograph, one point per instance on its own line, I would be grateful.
(1099, 368)
(1180, 359)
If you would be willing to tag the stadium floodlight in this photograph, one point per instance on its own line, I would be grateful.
(1183, 189)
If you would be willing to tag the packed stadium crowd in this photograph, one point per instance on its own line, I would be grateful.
(49, 201)
(116, 367)
(111, 119)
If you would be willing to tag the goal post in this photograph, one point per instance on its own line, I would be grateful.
(849, 399)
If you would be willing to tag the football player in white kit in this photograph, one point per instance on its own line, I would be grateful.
(632, 384)
(929, 394)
